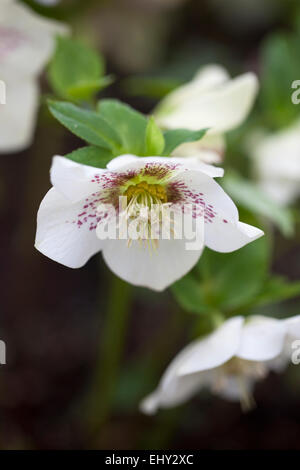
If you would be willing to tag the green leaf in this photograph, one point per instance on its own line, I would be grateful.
(76, 70)
(280, 67)
(176, 137)
(155, 141)
(233, 279)
(248, 195)
(190, 295)
(224, 281)
(275, 290)
(85, 90)
(92, 156)
(88, 125)
(129, 123)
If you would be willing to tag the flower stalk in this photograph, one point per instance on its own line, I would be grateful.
(100, 397)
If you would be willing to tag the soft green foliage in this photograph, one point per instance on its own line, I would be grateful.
(246, 194)
(117, 129)
(155, 142)
(176, 137)
(280, 67)
(92, 156)
(88, 125)
(276, 289)
(224, 281)
(76, 71)
(233, 282)
(191, 295)
(129, 123)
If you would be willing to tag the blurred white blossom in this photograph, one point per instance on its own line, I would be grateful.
(228, 361)
(276, 159)
(211, 100)
(27, 42)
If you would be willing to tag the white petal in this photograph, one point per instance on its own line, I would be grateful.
(132, 162)
(189, 162)
(18, 115)
(156, 270)
(220, 110)
(66, 232)
(262, 339)
(174, 389)
(177, 391)
(268, 150)
(293, 326)
(28, 39)
(213, 350)
(214, 197)
(119, 162)
(207, 78)
(279, 177)
(211, 76)
(194, 163)
(74, 180)
(225, 235)
(150, 404)
(210, 149)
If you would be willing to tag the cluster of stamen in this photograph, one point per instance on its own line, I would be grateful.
(242, 371)
(146, 206)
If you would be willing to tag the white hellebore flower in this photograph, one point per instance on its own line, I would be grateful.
(71, 218)
(211, 100)
(228, 361)
(27, 42)
(277, 163)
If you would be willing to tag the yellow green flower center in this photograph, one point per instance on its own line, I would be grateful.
(146, 194)
(146, 206)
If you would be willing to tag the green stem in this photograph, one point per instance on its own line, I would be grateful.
(101, 394)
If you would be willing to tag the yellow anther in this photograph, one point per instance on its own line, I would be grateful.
(156, 192)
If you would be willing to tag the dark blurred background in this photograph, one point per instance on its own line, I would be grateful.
(52, 317)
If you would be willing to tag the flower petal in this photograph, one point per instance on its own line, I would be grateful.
(194, 163)
(220, 110)
(18, 115)
(119, 162)
(177, 390)
(74, 180)
(262, 339)
(32, 36)
(206, 79)
(210, 149)
(204, 187)
(140, 267)
(64, 232)
(214, 349)
(225, 235)
(279, 177)
(293, 326)
(211, 76)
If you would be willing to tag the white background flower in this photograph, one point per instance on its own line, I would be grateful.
(69, 219)
(27, 42)
(277, 163)
(229, 361)
(211, 100)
